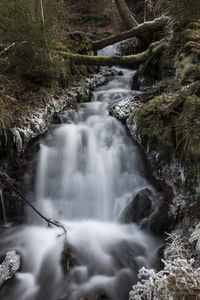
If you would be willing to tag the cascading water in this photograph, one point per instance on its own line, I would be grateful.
(88, 168)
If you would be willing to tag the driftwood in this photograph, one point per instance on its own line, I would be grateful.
(138, 31)
(9, 266)
(8, 182)
(129, 61)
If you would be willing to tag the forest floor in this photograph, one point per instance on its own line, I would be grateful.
(18, 97)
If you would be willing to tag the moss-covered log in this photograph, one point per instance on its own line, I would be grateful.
(146, 28)
(130, 61)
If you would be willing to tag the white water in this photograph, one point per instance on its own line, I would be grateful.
(88, 169)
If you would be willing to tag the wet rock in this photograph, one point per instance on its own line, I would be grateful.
(67, 258)
(97, 297)
(163, 220)
(129, 47)
(9, 266)
(139, 208)
(127, 106)
(122, 109)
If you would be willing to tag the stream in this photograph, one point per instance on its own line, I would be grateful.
(88, 171)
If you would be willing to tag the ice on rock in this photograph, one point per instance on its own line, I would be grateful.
(9, 266)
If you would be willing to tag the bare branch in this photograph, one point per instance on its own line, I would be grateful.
(8, 181)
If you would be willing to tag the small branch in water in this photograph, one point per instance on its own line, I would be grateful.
(6, 179)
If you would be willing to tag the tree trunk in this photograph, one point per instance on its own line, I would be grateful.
(130, 61)
(138, 31)
(125, 14)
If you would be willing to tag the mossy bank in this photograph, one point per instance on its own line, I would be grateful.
(167, 127)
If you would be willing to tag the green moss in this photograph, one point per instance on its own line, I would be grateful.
(191, 34)
(191, 73)
(194, 25)
(173, 132)
(152, 127)
(193, 47)
(80, 47)
(189, 137)
(187, 69)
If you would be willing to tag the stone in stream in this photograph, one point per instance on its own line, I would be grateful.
(123, 108)
(67, 258)
(9, 266)
(139, 208)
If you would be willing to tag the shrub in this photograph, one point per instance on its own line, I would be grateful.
(180, 278)
(21, 23)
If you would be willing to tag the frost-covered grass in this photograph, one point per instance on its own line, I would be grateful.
(180, 278)
(195, 237)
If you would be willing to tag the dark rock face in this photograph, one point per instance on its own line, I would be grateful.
(139, 208)
(162, 220)
(142, 207)
(98, 297)
(130, 46)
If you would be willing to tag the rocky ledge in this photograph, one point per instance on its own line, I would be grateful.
(36, 121)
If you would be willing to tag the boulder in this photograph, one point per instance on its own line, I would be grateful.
(139, 208)
(9, 266)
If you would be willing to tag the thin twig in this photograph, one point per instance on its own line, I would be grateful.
(8, 180)
(10, 46)
(7, 48)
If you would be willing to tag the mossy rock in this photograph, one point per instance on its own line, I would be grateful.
(194, 25)
(192, 47)
(191, 34)
(187, 69)
(152, 126)
(169, 125)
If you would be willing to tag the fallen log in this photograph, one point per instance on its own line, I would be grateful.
(129, 61)
(145, 28)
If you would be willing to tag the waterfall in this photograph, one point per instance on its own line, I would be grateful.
(88, 170)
